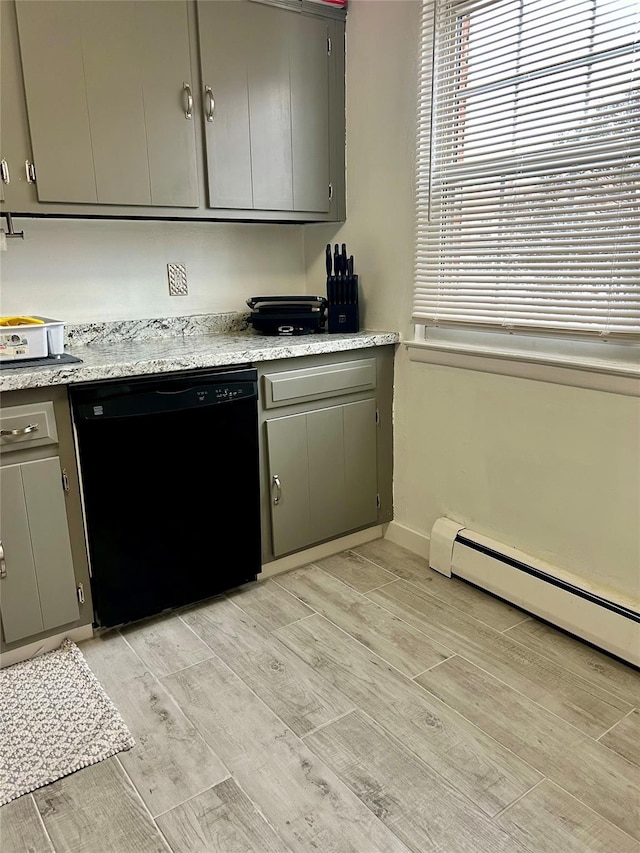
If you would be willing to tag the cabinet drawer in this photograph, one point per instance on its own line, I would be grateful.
(314, 383)
(30, 425)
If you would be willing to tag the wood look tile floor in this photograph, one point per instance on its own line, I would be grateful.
(360, 704)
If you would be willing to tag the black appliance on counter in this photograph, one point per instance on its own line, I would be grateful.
(343, 311)
(170, 486)
(288, 315)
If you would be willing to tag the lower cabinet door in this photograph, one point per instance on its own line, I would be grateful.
(38, 590)
(323, 476)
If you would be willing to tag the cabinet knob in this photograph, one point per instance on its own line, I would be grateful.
(3, 565)
(276, 482)
(4, 172)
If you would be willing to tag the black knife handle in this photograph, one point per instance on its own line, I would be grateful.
(328, 258)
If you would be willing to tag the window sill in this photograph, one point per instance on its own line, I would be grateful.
(616, 377)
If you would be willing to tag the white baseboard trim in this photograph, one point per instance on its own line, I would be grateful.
(583, 618)
(580, 617)
(410, 539)
(318, 552)
(32, 650)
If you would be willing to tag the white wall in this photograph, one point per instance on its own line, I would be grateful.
(551, 470)
(83, 270)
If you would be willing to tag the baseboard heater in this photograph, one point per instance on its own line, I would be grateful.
(537, 587)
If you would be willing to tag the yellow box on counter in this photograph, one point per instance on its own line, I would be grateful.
(30, 337)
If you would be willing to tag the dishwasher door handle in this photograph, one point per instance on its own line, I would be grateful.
(275, 480)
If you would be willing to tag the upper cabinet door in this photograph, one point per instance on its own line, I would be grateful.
(270, 106)
(309, 72)
(164, 53)
(105, 87)
(223, 29)
(51, 49)
(265, 80)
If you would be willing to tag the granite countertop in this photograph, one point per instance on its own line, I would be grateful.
(141, 347)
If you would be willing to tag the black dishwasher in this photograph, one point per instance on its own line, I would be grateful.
(170, 486)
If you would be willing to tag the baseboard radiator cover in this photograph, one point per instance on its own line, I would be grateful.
(537, 587)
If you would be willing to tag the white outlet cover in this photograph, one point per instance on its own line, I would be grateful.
(177, 279)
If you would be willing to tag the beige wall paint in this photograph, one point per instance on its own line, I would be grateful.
(83, 270)
(548, 469)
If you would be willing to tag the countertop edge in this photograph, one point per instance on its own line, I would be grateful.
(100, 363)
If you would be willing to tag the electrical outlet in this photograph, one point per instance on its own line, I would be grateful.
(177, 279)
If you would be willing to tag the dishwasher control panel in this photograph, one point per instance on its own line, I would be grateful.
(224, 393)
(141, 397)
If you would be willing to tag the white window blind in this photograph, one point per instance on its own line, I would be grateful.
(529, 166)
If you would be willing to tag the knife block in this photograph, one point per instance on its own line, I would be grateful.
(343, 316)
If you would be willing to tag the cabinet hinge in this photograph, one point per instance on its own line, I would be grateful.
(80, 590)
(378, 501)
(377, 417)
(329, 46)
(65, 480)
(30, 170)
(330, 192)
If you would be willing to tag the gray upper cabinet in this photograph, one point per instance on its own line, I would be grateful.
(193, 109)
(226, 110)
(310, 44)
(106, 85)
(58, 119)
(265, 75)
(15, 145)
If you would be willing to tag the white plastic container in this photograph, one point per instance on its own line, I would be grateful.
(32, 340)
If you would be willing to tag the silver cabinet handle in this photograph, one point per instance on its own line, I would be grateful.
(208, 94)
(3, 565)
(189, 111)
(4, 172)
(276, 482)
(22, 431)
